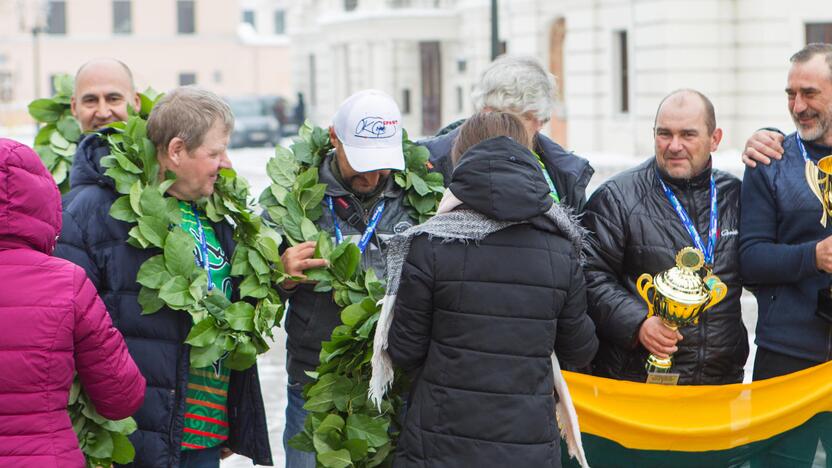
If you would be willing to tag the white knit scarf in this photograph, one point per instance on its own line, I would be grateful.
(467, 225)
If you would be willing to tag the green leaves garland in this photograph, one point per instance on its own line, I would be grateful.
(57, 140)
(343, 427)
(172, 278)
(103, 441)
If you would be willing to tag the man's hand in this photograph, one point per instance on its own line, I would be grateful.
(823, 255)
(658, 338)
(762, 147)
(298, 259)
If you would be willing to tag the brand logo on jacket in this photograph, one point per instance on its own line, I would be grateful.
(728, 233)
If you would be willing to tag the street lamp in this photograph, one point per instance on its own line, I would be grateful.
(495, 35)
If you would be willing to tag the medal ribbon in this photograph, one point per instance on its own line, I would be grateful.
(802, 148)
(203, 247)
(368, 233)
(688, 223)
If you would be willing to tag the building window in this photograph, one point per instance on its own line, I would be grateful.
(217, 76)
(621, 72)
(248, 17)
(56, 17)
(280, 22)
(406, 101)
(122, 17)
(818, 32)
(6, 94)
(185, 16)
(460, 99)
(350, 5)
(461, 65)
(187, 79)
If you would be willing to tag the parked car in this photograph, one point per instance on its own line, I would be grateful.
(254, 124)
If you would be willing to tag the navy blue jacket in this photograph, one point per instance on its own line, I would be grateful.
(569, 172)
(779, 228)
(97, 242)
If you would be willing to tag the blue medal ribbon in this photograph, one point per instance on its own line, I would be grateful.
(203, 247)
(688, 223)
(800, 145)
(368, 233)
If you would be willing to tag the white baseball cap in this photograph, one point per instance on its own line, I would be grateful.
(369, 125)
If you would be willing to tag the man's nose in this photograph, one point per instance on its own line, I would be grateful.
(103, 109)
(225, 161)
(675, 144)
(799, 104)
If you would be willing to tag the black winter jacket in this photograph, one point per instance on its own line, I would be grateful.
(636, 230)
(98, 243)
(476, 323)
(569, 172)
(313, 315)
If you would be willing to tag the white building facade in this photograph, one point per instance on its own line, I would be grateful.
(614, 59)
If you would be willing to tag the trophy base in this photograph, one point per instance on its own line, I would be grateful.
(658, 371)
(662, 379)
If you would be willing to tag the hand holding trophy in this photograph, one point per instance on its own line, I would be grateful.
(819, 179)
(679, 296)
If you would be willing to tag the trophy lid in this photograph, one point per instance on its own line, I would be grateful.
(682, 283)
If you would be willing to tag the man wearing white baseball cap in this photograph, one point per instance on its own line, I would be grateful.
(362, 205)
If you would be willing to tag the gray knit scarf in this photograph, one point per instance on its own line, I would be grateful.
(465, 225)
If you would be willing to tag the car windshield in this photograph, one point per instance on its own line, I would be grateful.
(246, 107)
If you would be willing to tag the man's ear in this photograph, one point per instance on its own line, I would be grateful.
(137, 102)
(72, 105)
(333, 138)
(715, 139)
(176, 151)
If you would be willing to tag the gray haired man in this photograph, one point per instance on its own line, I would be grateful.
(190, 416)
(521, 86)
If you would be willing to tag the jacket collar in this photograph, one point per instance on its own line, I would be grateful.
(335, 188)
(700, 180)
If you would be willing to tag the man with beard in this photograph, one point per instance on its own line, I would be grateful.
(363, 205)
(784, 249)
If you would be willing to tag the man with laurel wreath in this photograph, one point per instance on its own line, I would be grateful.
(189, 415)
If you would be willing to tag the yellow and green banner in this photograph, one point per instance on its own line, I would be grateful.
(774, 422)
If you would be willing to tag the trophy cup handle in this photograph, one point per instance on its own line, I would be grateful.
(815, 182)
(644, 284)
(717, 293)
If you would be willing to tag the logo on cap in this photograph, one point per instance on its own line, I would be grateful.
(375, 128)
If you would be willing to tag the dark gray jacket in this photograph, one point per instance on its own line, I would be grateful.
(312, 316)
(476, 323)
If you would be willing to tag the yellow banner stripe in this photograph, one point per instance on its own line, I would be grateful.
(203, 388)
(698, 418)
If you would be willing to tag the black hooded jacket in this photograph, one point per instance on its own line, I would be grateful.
(476, 324)
(95, 241)
(636, 230)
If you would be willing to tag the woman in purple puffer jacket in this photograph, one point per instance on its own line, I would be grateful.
(52, 324)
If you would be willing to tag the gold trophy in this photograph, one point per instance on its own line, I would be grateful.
(679, 295)
(820, 182)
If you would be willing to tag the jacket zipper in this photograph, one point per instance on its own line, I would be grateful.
(700, 350)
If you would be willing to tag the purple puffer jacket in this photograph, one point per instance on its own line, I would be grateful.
(52, 324)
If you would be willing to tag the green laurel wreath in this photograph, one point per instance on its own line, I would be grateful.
(343, 428)
(172, 278)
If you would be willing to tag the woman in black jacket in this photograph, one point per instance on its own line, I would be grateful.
(489, 289)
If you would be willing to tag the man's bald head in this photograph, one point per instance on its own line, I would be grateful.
(679, 97)
(103, 89)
